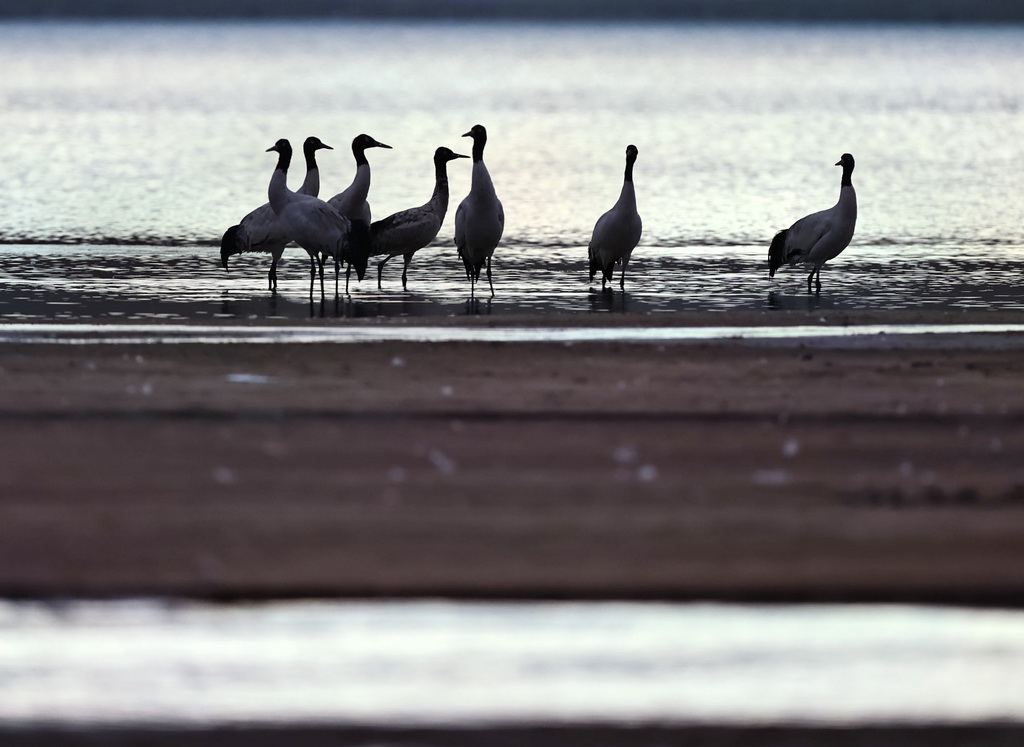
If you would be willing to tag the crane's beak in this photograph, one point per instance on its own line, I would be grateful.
(382, 145)
(459, 155)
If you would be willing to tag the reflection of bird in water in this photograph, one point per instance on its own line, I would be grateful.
(309, 221)
(618, 231)
(815, 239)
(407, 231)
(480, 219)
(260, 231)
(353, 205)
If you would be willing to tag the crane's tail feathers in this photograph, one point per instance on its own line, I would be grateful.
(361, 268)
(594, 264)
(359, 247)
(468, 264)
(359, 238)
(777, 252)
(228, 245)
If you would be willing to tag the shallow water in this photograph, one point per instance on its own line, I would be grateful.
(452, 663)
(179, 284)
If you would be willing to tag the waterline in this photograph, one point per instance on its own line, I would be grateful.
(143, 334)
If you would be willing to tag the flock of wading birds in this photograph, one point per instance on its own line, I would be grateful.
(340, 228)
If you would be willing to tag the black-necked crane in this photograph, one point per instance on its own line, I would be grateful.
(352, 203)
(408, 231)
(308, 221)
(480, 219)
(259, 231)
(618, 231)
(815, 239)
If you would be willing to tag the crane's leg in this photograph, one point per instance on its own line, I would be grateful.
(312, 275)
(337, 274)
(817, 280)
(622, 278)
(809, 278)
(407, 258)
(320, 262)
(380, 270)
(489, 281)
(348, 274)
(272, 277)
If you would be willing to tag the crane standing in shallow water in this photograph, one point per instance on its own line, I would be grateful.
(407, 231)
(353, 205)
(260, 231)
(480, 219)
(309, 221)
(618, 231)
(815, 239)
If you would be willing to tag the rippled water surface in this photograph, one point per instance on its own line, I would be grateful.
(152, 284)
(433, 662)
(128, 148)
(157, 132)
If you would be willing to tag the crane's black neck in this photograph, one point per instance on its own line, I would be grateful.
(479, 141)
(847, 174)
(440, 176)
(359, 151)
(310, 154)
(284, 159)
(629, 169)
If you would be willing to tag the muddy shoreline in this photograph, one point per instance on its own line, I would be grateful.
(731, 471)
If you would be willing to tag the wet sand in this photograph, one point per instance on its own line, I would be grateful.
(791, 471)
(795, 471)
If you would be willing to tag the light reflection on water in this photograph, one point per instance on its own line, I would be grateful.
(124, 139)
(436, 662)
(155, 132)
(152, 283)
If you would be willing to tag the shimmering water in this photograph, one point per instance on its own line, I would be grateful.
(147, 284)
(144, 141)
(434, 662)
